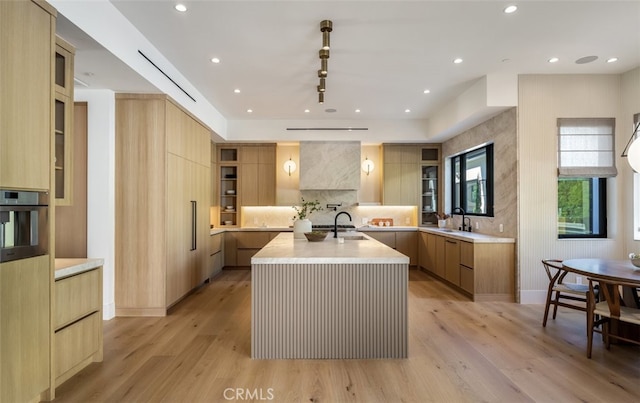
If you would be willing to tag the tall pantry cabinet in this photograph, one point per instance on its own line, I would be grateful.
(162, 204)
(27, 43)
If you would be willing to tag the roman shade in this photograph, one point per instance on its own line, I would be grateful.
(586, 148)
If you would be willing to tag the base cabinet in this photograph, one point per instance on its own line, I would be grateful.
(405, 242)
(240, 246)
(216, 254)
(24, 328)
(484, 271)
(77, 323)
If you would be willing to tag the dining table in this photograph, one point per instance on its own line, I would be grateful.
(613, 270)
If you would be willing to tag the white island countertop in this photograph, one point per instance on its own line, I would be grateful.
(285, 249)
(66, 267)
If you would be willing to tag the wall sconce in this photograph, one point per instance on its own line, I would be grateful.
(632, 150)
(368, 165)
(289, 166)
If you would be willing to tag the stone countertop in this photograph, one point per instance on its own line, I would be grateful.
(66, 267)
(474, 237)
(392, 228)
(285, 249)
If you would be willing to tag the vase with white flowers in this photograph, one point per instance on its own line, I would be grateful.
(301, 223)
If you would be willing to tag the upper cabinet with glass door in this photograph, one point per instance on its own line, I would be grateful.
(63, 129)
(430, 194)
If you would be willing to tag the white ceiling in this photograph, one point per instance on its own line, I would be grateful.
(383, 53)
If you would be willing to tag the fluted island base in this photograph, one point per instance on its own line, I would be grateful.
(307, 310)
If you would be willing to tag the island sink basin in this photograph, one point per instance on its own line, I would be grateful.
(354, 237)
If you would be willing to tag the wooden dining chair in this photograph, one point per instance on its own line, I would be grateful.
(559, 290)
(611, 307)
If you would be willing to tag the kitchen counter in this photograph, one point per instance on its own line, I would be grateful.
(66, 267)
(285, 249)
(328, 300)
(395, 228)
(474, 237)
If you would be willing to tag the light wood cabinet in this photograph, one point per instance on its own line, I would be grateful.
(27, 44)
(452, 261)
(430, 184)
(485, 271)
(71, 221)
(247, 177)
(405, 242)
(24, 328)
(77, 323)
(216, 250)
(240, 246)
(26, 96)
(63, 118)
(401, 174)
(163, 198)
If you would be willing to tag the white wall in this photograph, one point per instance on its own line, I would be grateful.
(101, 136)
(543, 99)
(631, 105)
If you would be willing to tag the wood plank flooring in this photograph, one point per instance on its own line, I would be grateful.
(459, 351)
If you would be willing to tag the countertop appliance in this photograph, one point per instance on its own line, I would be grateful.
(24, 224)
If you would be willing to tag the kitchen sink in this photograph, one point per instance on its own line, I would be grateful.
(354, 237)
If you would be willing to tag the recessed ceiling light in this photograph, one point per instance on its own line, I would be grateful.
(553, 60)
(510, 9)
(357, 110)
(407, 110)
(249, 110)
(181, 7)
(237, 90)
(612, 60)
(215, 60)
(457, 60)
(426, 91)
(307, 111)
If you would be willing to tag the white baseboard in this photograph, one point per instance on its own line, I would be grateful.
(108, 311)
(533, 297)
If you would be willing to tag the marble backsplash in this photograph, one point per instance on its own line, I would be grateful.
(283, 216)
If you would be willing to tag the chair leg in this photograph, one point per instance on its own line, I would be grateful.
(555, 306)
(589, 329)
(546, 308)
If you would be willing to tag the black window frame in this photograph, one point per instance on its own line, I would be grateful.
(602, 210)
(459, 189)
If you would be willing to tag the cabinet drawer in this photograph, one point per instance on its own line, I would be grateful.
(77, 296)
(215, 243)
(77, 342)
(466, 253)
(466, 279)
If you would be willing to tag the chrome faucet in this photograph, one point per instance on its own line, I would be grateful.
(464, 226)
(335, 223)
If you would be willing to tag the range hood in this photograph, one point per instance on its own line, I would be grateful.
(329, 165)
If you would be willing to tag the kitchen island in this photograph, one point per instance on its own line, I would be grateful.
(328, 300)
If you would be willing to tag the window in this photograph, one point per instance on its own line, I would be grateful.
(582, 208)
(585, 159)
(472, 181)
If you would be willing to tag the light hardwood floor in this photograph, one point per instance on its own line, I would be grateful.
(459, 351)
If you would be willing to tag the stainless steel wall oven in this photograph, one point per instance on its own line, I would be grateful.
(24, 224)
